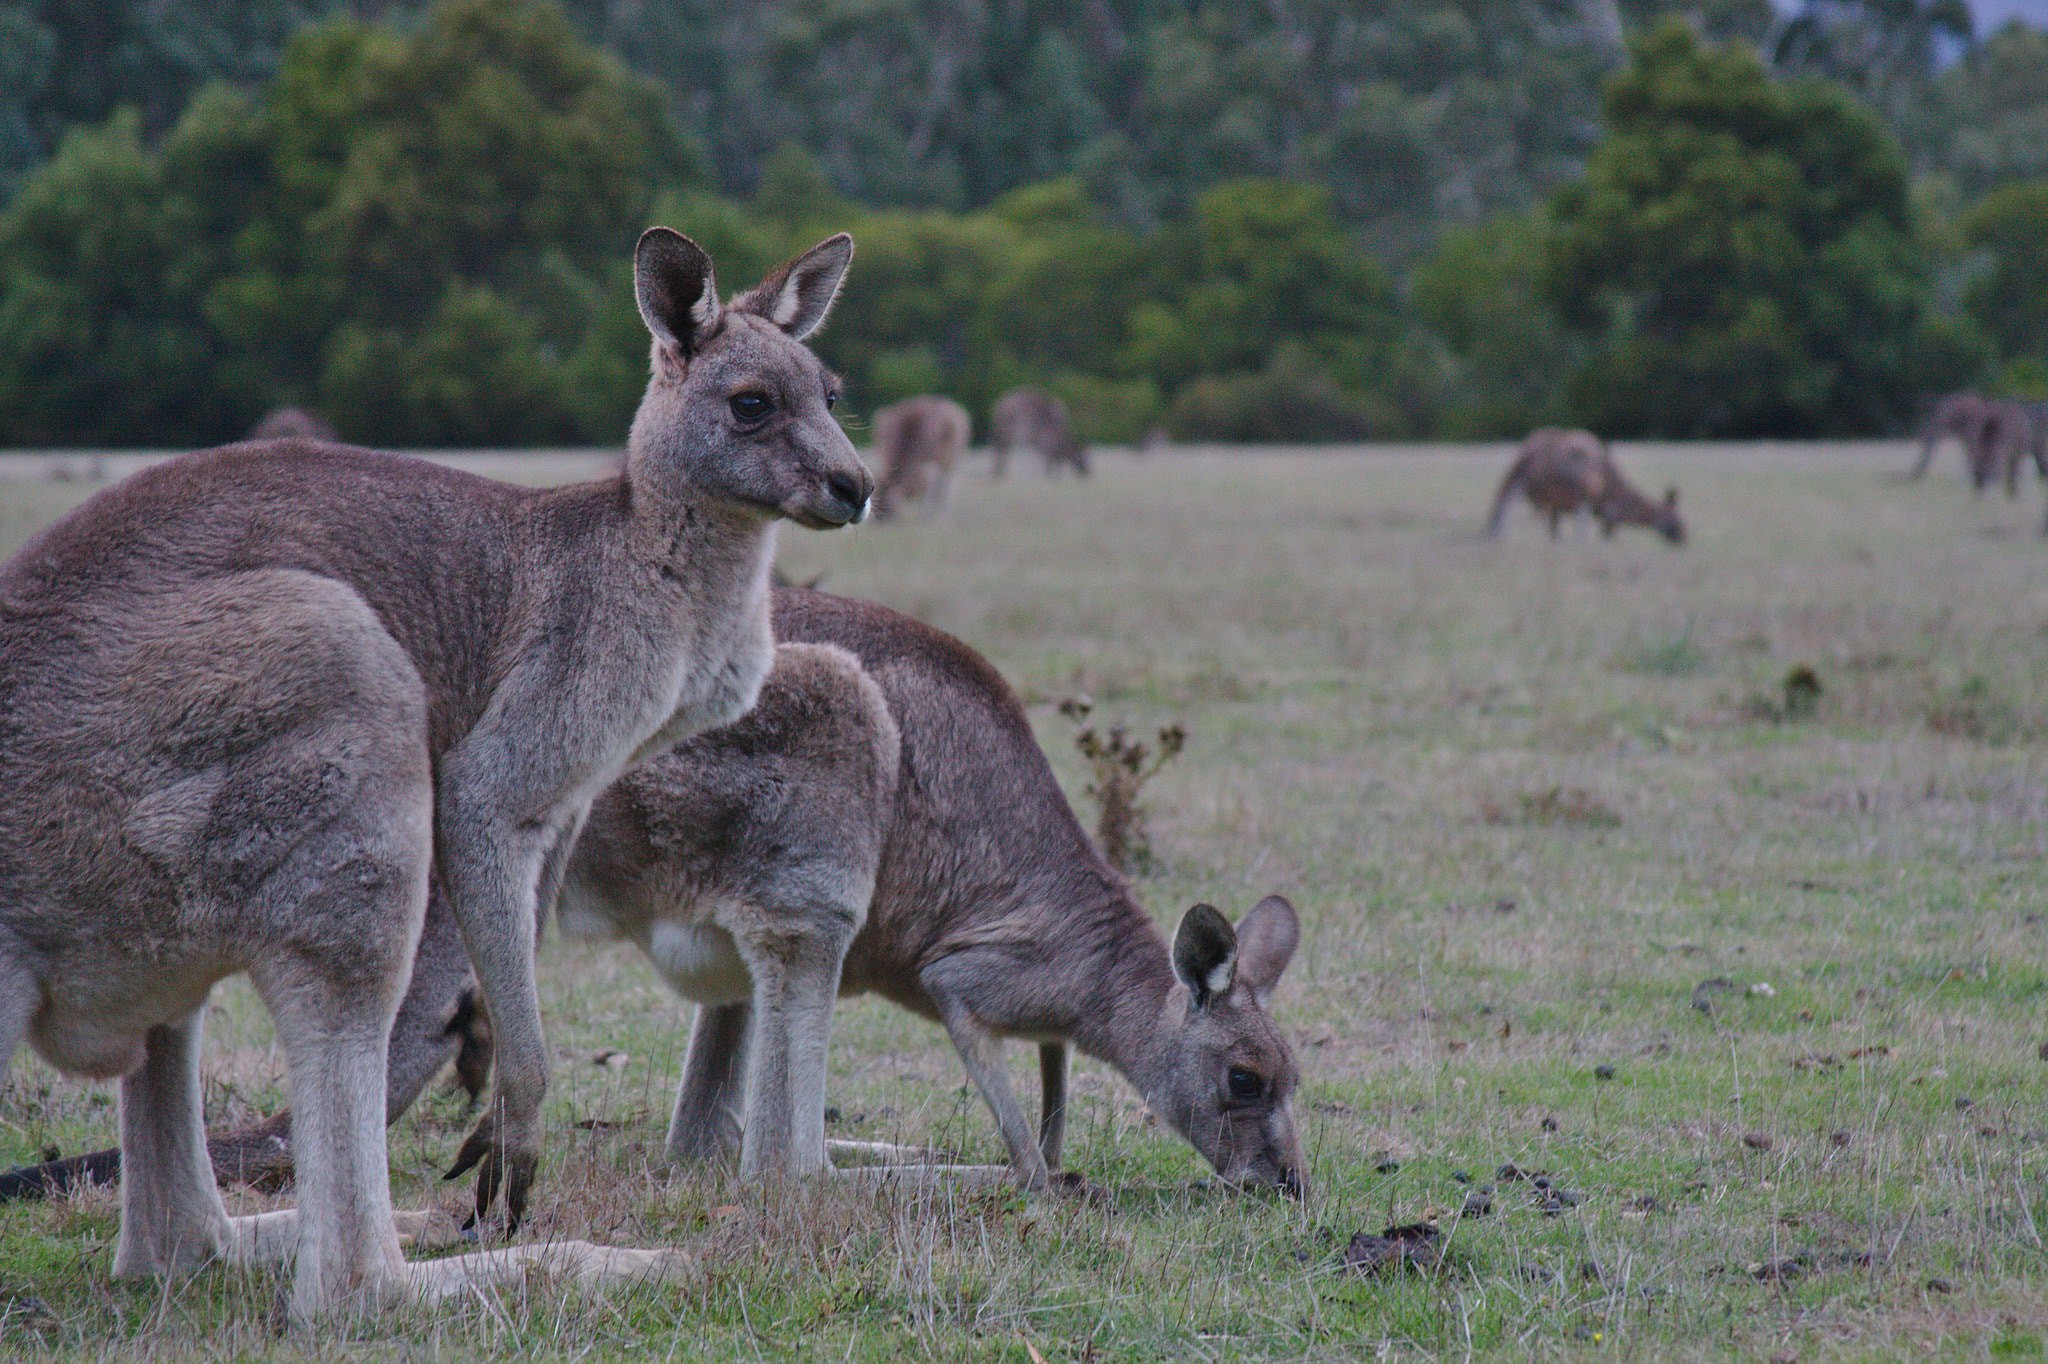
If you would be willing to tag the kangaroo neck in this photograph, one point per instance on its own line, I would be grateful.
(709, 547)
(1134, 1003)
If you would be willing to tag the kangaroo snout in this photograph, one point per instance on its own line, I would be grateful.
(853, 490)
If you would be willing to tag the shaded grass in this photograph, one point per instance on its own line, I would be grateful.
(1362, 676)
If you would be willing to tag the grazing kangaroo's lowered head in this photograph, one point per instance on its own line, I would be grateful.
(1222, 1074)
(734, 382)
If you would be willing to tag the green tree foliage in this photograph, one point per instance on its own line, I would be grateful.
(421, 228)
(1408, 112)
(1482, 294)
(414, 232)
(1886, 51)
(2009, 298)
(1990, 124)
(1739, 257)
(67, 63)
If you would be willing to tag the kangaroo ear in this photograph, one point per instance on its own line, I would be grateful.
(677, 293)
(796, 296)
(1266, 939)
(1205, 953)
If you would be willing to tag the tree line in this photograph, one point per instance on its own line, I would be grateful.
(419, 225)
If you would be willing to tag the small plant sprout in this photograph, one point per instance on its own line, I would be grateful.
(1122, 765)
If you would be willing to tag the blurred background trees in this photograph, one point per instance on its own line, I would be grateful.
(1242, 221)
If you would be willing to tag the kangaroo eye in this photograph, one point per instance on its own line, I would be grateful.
(831, 401)
(750, 406)
(1245, 1085)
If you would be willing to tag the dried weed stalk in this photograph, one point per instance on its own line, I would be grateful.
(1122, 766)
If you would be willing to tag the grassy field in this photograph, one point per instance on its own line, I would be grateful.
(1767, 991)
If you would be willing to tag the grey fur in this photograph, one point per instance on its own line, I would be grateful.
(247, 697)
(990, 911)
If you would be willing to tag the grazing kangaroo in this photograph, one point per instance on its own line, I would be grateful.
(248, 696)
(986, 908)
(1564, 472)
(917, 443)
(1034, 419)
(1996, 436)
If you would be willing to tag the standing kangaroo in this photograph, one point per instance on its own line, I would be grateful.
(917, 443)
(957, 883)
(1564, 472)
(1037, 420)
(248, 696)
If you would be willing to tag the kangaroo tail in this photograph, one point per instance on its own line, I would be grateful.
(259, 1155)
(28, 1182)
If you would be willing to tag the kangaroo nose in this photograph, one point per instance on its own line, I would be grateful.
(851, 489)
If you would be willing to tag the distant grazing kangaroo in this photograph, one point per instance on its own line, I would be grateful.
(248, 696)
(1563, 472)
(1034, 419)
(1996, 436)
(917, 444)
(986, 907)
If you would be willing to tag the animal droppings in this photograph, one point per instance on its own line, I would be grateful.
(1416, 1245)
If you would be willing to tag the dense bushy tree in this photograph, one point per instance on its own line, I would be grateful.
(70, 63)
(413, 231)
(1408, 112)
(421, 228)
(1481, 292)
(2009, 298)
(1739, 256)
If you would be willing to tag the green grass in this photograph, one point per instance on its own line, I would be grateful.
(1529, 797)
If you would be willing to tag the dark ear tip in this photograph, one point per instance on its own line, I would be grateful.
(669, 243)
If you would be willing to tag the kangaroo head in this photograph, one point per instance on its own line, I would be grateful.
(1668, 524)
(737, 407)
(1227, 1081)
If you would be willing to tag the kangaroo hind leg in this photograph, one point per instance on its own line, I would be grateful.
(172, 1216)
(795, 961)
(706, 1125)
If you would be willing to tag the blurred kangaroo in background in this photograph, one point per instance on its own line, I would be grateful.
(1957, 415)
(1996, 437)
(248, 696)
(1564, 472)
(986, 908)
(917, 444)
(1032, 419)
